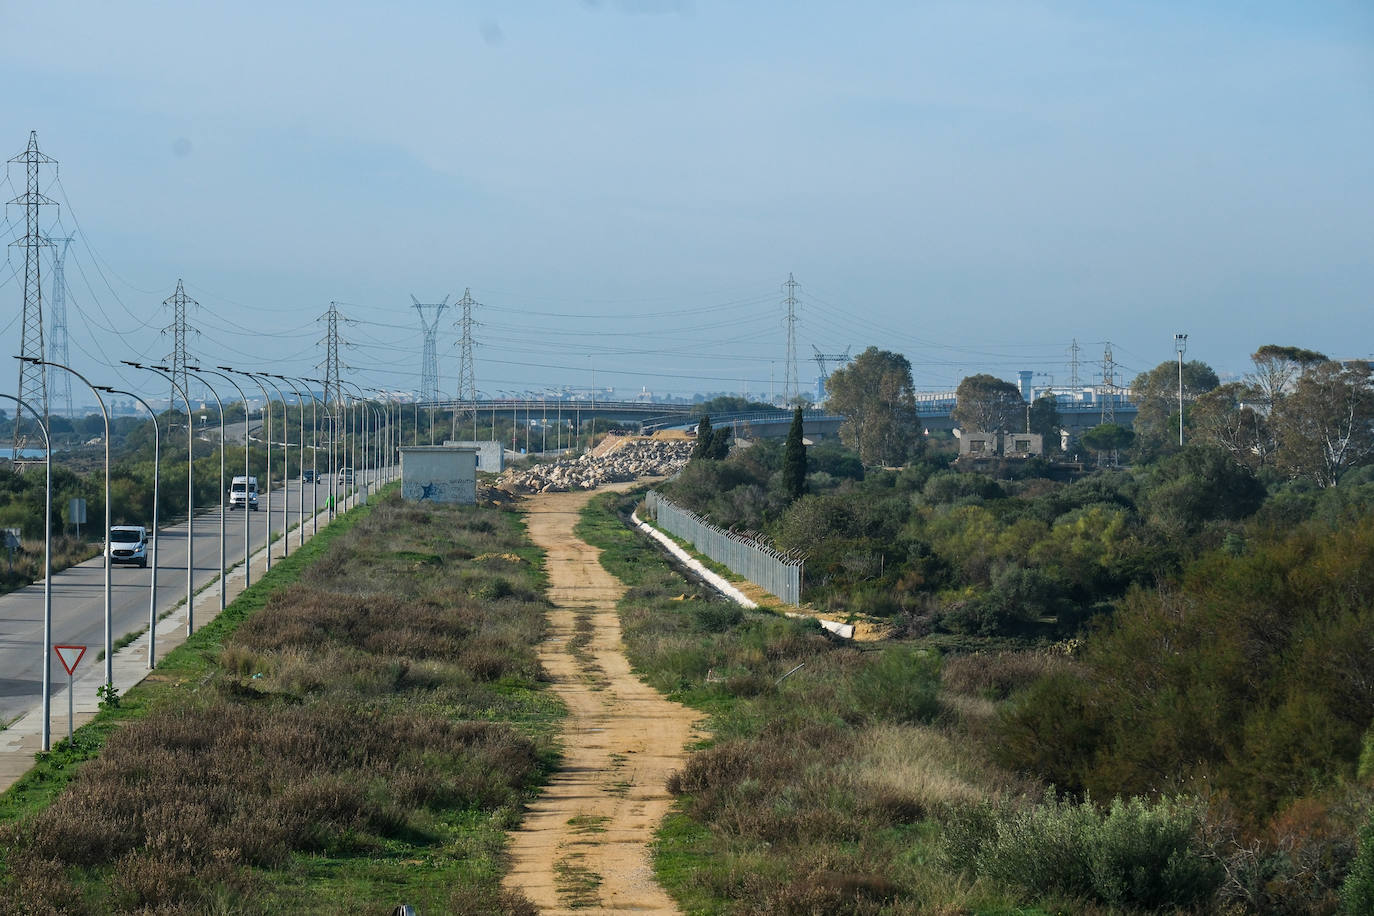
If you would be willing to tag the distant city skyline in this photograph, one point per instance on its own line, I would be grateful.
(625, 186)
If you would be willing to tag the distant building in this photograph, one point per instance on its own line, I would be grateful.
(977, 444)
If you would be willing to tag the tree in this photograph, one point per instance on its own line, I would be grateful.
(1326, 425)
(794, 459)
(1155, 394)
(876, 396)
(1223, 418)
(985, 403)
(1107, 439)
(1045, 421)
(705, 437)
(1276, 369)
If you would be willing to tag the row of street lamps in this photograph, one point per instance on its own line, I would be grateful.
(368, 476)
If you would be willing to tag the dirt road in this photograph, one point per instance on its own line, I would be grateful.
(584, 845)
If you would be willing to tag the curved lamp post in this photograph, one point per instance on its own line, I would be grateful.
(157, 467)
(109, 647)
(285, 463)
(314, 453)
(190, 498)
(300, 501)
(47, 577)
(223, 564)
(332, 417)
(267, 423)
(247, 513)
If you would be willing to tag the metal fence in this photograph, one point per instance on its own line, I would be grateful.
(777, 572)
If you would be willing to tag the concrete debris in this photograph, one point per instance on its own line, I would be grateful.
(627, 458)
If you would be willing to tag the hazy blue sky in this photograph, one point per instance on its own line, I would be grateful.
(626, 185)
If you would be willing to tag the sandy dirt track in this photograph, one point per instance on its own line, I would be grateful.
(584, 845)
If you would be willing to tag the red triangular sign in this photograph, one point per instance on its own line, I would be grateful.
(69, 656)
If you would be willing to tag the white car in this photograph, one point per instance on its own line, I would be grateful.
(128, 544)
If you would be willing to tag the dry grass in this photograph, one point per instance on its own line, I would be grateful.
(351, 717)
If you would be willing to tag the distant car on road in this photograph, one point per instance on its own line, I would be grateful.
(308, 475)
(345, 475)
(128, 544)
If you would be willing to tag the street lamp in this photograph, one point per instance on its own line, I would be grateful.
(109, 647)
(267, 421)
(47, 576)
(333, 419)
(1180, 344)
(223, 566)
(190, 498)
(300, 502)
(157, 466)
(285, 465)
(247, 511)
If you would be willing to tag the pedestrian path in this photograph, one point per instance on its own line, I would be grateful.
(24, 737)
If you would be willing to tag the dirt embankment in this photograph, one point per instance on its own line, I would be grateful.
(584, 845)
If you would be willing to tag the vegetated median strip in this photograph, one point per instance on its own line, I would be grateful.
(358, 739)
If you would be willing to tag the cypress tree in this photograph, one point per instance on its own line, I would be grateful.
(702, 447)
(794, 459)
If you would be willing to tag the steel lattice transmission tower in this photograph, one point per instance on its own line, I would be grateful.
(467, 371)
(839, 359)
(59, 382)
(177, 359)
(333, 391)
(429, 366)
(1073, 367)
(33, 387)
(790, 388)
(1108, 385)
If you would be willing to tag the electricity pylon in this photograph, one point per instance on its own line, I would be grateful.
(33, 387)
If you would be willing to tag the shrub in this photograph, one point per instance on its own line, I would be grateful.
(1357, 895)
(1134, 854)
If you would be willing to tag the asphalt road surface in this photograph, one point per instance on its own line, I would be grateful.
(78, 594)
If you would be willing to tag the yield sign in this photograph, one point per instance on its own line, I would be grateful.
(69, 656)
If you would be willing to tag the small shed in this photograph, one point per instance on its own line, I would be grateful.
(439, 474)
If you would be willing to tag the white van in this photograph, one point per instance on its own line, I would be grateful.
(128, 544)
(243, 492)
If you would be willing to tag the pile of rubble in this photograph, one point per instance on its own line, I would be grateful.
(622, 458)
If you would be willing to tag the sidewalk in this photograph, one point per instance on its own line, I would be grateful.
(24, 738)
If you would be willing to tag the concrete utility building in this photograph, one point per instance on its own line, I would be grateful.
(439, 474)
(491, 456)
(975, 444)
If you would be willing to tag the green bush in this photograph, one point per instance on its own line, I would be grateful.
(1136, 853)
(1357, 895)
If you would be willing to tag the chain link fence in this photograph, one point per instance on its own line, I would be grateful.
(778, 573)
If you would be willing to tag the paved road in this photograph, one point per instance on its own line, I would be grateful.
(78, 595)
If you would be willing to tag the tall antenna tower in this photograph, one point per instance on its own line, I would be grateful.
(177, 359)
(33, 388)
(789, 385)
(59, 382)
(1108, 385)
(467, 372)
(1073, 367)
(333, 393)
(429, 365)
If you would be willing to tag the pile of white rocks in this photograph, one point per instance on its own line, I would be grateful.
(626, 459)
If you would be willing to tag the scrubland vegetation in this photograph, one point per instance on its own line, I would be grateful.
(356, 732)
(1146, 689)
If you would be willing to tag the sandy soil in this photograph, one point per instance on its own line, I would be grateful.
(584, 845)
